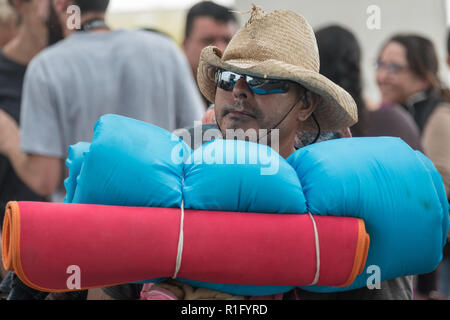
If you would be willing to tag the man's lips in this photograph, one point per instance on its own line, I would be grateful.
(237, 113)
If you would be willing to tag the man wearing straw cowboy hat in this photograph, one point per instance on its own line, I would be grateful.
(268, 79)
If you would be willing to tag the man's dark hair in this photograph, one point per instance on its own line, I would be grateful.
(92, 5)
(207, 9)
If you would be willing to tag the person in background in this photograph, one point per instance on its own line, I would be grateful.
(407, 75)
(95, 71)
(92, 72)
(14, 58)
(32, 21)
(207, 23)
(8, 23)
(340, 61)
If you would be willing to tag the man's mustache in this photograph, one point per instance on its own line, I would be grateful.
(240, 107)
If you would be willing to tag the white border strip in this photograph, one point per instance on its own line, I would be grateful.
(316, 236)
(180, 243)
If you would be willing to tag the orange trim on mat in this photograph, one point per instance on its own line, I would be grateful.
(362, 250)
(11, 235)
(6, 240)
(14, 254)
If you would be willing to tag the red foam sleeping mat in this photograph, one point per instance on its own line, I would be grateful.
(45, 242)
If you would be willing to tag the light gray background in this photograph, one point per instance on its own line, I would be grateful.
(426, 17)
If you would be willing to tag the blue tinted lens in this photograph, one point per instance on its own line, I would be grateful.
(262, 91)
(226, 80)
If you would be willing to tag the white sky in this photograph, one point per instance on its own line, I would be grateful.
(448, 12)
(134, 5)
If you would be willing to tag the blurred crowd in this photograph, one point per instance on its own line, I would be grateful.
(56, 82)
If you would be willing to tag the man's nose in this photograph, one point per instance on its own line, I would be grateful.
(241, 89)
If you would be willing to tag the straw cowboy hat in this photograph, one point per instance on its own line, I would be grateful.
(280, 45)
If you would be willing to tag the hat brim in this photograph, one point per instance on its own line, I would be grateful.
(336, 111)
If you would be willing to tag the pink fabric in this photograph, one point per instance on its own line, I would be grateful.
(150, 292)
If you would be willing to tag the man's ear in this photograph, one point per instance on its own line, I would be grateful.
(309, 104)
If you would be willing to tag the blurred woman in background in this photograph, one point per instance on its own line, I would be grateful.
(407, 74)
(340, 61)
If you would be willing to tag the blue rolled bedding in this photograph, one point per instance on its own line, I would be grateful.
(394, 189)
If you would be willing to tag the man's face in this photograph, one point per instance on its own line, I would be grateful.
(207, 31)
(241, 108)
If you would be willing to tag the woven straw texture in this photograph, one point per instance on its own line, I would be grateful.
(280, 45)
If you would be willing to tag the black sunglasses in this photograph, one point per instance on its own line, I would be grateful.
(226, 80)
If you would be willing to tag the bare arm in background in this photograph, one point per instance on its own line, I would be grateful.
(41, 174)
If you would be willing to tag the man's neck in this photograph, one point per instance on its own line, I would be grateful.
(287, 152)
(286, 146)
(27, 44)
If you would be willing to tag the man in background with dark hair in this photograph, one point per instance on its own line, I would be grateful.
(207, 23)
(92, 72)
(95, 6)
